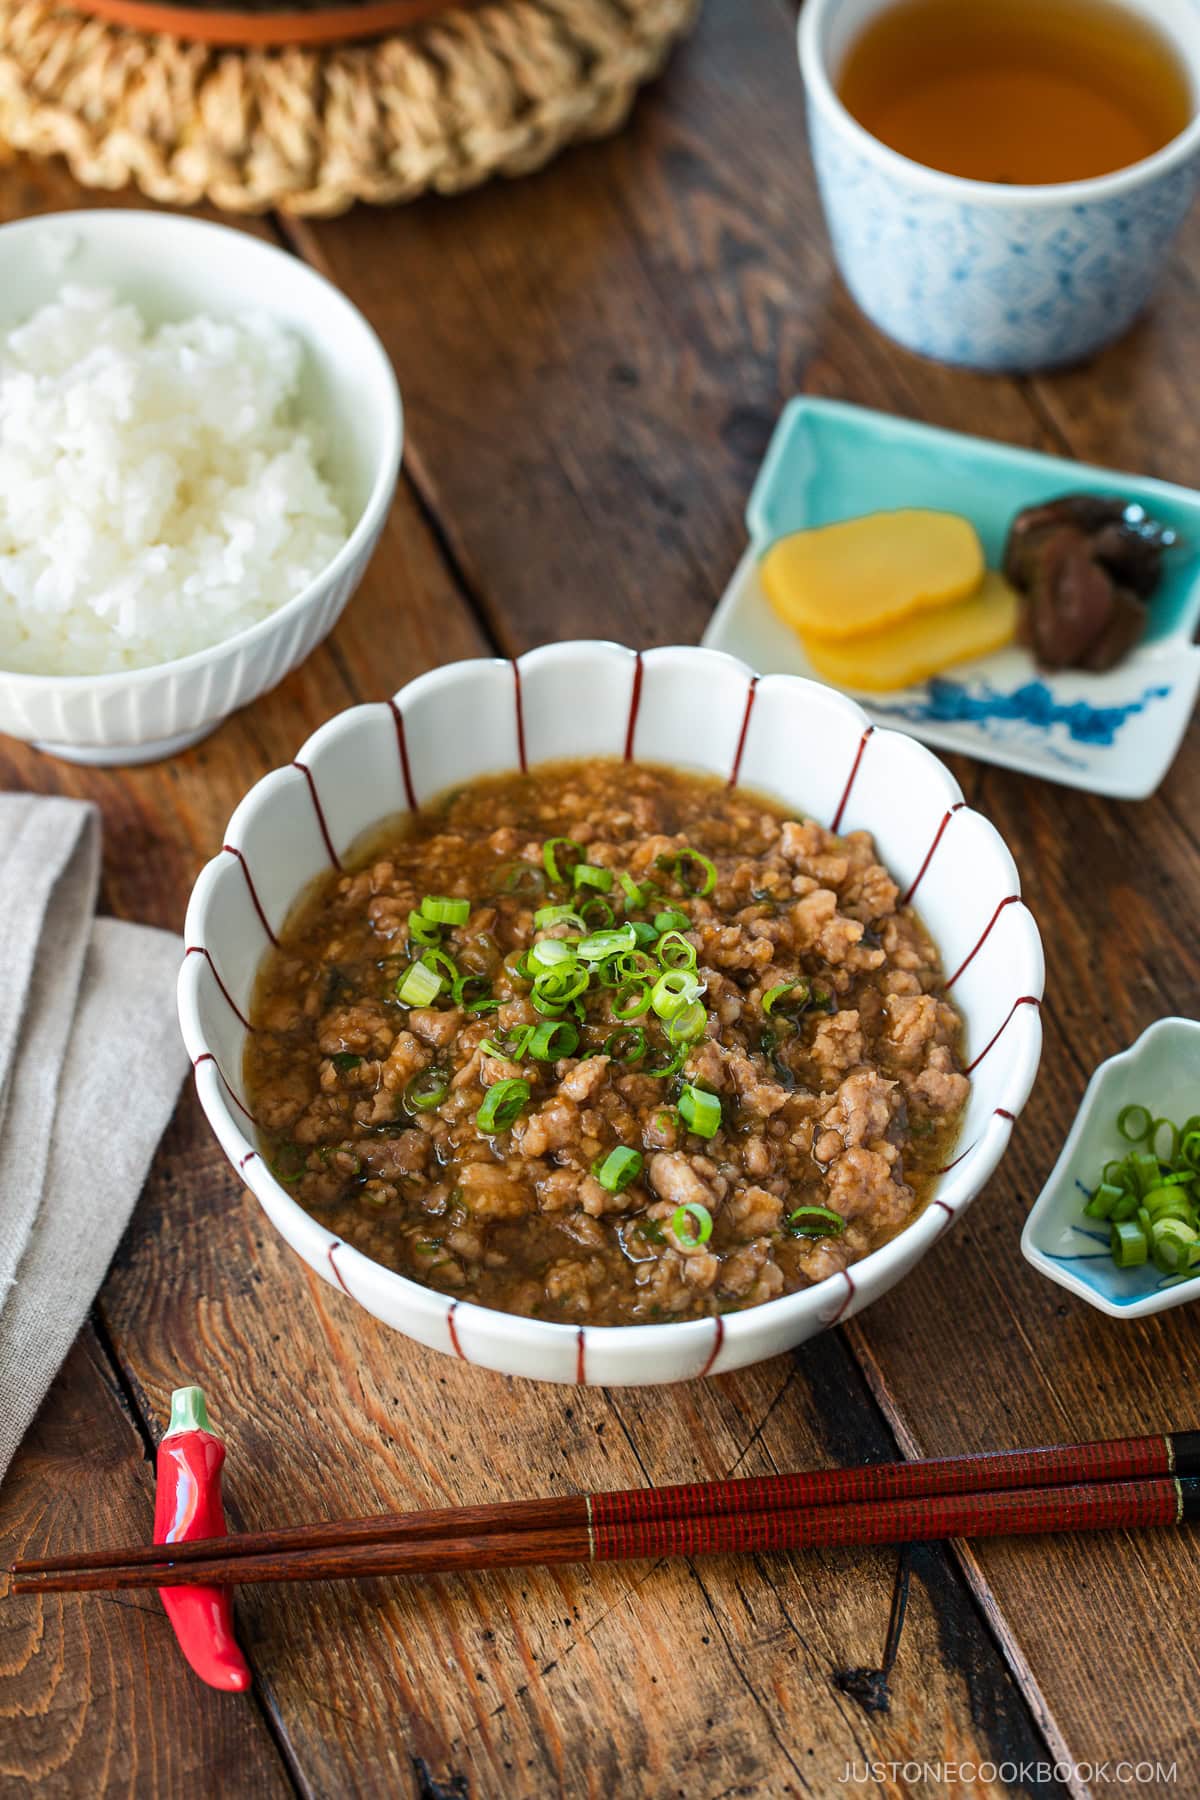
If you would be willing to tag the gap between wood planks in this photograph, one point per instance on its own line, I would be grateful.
(296, 236)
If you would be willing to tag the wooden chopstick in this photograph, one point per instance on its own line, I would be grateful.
(1113, 1459)
(1083, 1506)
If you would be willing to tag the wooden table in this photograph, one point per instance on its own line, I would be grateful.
(592, 360)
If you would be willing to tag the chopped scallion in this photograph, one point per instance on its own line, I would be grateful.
(591, 875)
(419, 985)
(573, 852)
(699, 1110)
(502, 1105)
(442, 911)
(550, 1041)
(816, 1222)
(684, 1218)
(616, 1170)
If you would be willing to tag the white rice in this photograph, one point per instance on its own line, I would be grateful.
(157, 491)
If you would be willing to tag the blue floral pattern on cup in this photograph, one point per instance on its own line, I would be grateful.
(995, 287)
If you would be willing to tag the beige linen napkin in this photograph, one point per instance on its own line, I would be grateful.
(90, 1065)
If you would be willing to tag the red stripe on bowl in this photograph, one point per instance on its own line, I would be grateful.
(635, 702)
(207, 1056)
(929, 854)
(850, 779)
(850, 1292)
(946, 1168)
(1023, 1000)
(202, 950)
(988, 929)
(307, 773)
(453, 1330)
(949, 1212)
(516, 669)
(741, 743)
(333, 1265)
(402, 747)
(718, 1340)
(580, 1368)
(232, 850)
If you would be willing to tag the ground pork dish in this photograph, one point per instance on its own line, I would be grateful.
(608, 1044)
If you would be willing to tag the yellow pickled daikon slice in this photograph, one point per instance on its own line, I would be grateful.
(838, 581)
(922, 644)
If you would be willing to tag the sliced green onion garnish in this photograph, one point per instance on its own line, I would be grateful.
(445, 912)
(636, 965)
(645, 933)
(597, 914)
(1129, 1246)
(423, 930)
(425, 1091)
(1135, 1124)
(1102, 1202)
(673, 991)
(549, 1042)
(574, 853)
(688, 1024)
(816, 1222)
(522, 878)
(555, 989)
(603, 944)
(634, 895)
(419, 985)
(699, 1110)
(628, 1046)
(616, 1170)
(1171, 1155)
(1171, 1244)
(672, 920)
(546, 916)
(684, 1217)
(674, 951)
(440, 963)
(511, 1047)
(502, 1104)
(695, 873)
(474, 994)
(773, 996)
(591, 875)
(550, 953)
(673, 1064)
(631, 1000)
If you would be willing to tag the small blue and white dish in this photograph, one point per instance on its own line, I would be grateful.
(1115, 733)
(1161, 1071)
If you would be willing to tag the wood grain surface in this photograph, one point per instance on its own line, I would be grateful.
(592, 360)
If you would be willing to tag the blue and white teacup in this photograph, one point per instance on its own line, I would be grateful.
(992, 276)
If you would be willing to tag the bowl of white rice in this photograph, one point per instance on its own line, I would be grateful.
(199, 443)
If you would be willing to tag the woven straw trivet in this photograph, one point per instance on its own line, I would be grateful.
(496, 89)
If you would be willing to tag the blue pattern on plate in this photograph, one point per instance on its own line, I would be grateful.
(994, 286)
(1032, 704)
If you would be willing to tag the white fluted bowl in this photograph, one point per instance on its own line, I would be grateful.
(804, 744)
(172, 267)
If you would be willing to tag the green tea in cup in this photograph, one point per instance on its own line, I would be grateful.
(1017, 91)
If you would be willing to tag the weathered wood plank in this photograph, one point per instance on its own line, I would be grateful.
(95, 1698)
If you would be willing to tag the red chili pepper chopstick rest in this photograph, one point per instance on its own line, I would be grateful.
(188, 1505)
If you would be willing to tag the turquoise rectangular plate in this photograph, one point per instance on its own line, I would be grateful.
(1115, 733)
